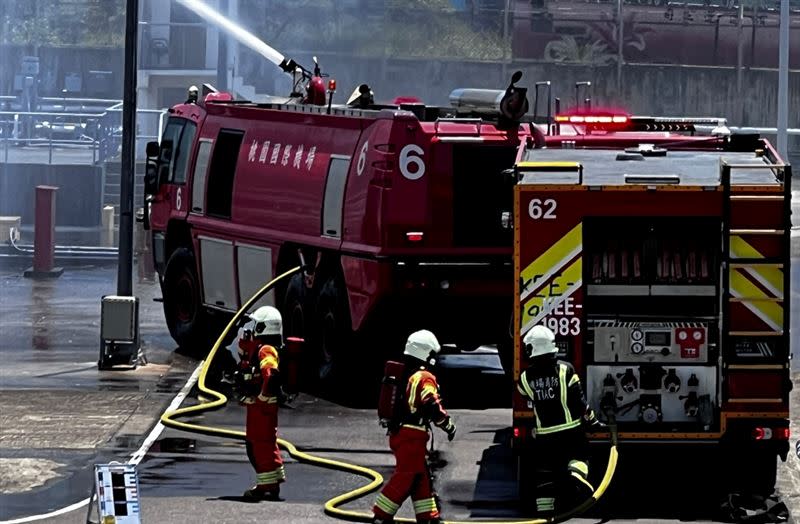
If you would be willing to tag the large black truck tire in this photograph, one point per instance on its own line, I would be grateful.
(334, 334)
(187, 318)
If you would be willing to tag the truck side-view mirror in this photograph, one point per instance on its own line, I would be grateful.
(151, 178)
(151, 150)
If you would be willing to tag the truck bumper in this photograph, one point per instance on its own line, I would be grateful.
(463, 302)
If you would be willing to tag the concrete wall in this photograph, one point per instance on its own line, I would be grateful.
(78, 196)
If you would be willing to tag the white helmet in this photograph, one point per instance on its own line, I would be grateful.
(539, 341)
(267, 321)
(423, 346)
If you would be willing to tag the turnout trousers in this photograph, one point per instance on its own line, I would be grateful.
(410, 477)
(262, 444)
(561, 471)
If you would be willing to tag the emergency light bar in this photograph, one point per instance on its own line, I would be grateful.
(592, 119)
(617, 121)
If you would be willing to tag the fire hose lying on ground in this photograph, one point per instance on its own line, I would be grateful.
(332, 506)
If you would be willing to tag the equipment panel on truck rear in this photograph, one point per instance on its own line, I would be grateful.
(661, 272)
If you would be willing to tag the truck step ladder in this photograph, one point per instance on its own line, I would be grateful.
(751, 261)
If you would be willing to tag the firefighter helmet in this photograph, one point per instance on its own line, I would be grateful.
(539, 341)
(423, 346)
(267, 321)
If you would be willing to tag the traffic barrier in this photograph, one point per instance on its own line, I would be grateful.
(107, 223)
(44, 237)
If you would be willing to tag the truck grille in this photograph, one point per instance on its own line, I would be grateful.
(481, 193)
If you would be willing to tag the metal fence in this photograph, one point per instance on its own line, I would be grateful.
(62, 137)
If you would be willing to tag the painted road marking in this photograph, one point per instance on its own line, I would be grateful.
(135, 459)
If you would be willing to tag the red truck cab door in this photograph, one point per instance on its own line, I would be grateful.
(172, 196)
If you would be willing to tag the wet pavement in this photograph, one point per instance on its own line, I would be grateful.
(59, 415)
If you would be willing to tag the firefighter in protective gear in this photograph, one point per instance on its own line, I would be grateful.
(561, 414)
(192, 95)
(259, 355)
(408, 437)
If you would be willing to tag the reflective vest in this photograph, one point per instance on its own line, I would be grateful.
(423, 401)
(259, 367)
(558, 400)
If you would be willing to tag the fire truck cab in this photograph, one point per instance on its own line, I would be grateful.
(661, 261)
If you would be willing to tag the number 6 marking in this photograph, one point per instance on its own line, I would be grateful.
(362, 158)
(407, 160)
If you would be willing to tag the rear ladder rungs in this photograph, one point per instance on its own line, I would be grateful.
(755, 333)
(756, 299)
(755, 264)
(754, 166)
(755, 198)
(757, 231)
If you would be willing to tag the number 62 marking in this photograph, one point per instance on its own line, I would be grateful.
(545, 210)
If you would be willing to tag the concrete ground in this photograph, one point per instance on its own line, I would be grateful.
(59, 415)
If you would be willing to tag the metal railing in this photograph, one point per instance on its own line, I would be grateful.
(77, 137)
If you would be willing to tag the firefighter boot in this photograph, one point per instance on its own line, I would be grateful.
(256, 495)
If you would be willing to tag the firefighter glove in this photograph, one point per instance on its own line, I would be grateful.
(285, 398)
(450, 428)
(595, 424)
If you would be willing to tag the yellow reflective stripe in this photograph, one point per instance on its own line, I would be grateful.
(579, 466)
(268, 400)
(424, 505)
(563, 285)
(770, 312)
(412, 426)
(270, 362)
(386, 504)
(545, 503)
(552, 260)
(562, 384)
(575, 378)
(270, 477)
(555, 429)
(770, 277)
(427, 390)
(557, 164)
(271, 350)
(523, 378)
(415, 378)
(523, 381)
(583, 480)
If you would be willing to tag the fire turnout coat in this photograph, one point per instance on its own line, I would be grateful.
(559, 403)
(266, 358)
(424, 404)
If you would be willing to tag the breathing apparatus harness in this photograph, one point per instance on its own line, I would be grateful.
(393, 409)
(247, 379)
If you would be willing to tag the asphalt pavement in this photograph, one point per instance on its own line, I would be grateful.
(59, 416)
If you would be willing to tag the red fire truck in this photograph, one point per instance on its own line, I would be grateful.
(397, 211)
(661, 261)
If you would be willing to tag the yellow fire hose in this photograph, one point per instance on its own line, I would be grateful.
(376, 479)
